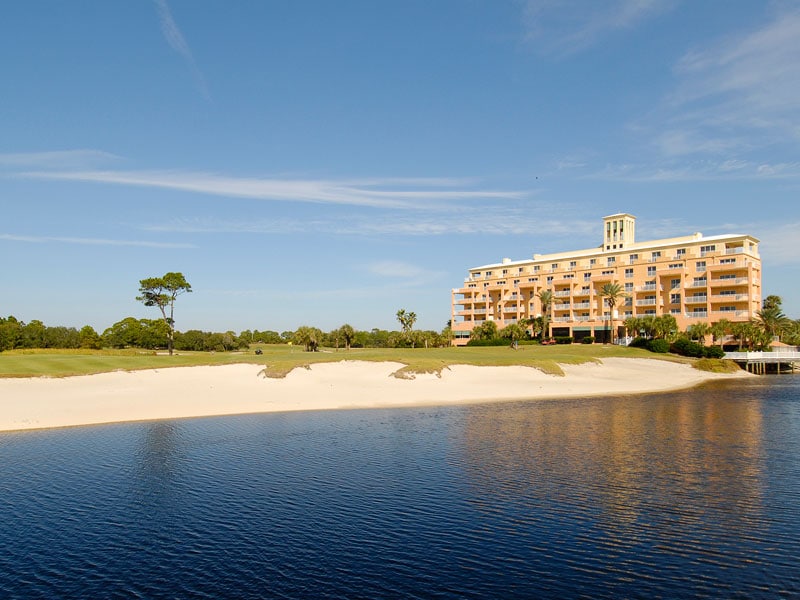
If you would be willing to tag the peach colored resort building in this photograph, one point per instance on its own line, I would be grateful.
(694, 278)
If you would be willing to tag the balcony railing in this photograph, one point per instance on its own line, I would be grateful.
(730, 297)
(648, 287)
(698, 314)
(561, 294)
(648, 302)
(734, 250)
(731, 313)
(696, 299)
(731, 281)
(697, 284)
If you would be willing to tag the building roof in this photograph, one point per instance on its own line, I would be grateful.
(628, 249)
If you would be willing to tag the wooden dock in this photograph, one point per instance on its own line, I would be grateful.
(757, 362)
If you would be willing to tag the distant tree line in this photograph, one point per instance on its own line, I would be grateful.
(153, 334)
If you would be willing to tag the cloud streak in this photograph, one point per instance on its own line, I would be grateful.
(178, 43)
(737, 95)
(90, 241)
(57, 159)
(565, 27)
(388, 193)
(466, 222)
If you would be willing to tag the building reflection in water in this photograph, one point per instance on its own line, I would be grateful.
(663, 463)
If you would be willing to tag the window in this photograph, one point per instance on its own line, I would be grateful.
(633, 257)
(587, 276)
(680, 252)
(608, 272)
(592, 262)
(550, 279)
(674, 298)
(651, 271)
(706, 249)
(628, 287)
(700, 265)
(573, 264)
(727, 261)
(629, 273)
(676, 266)
(674, 283)
(611, 260)
(656, 255)
(535, 268)
(554, 266)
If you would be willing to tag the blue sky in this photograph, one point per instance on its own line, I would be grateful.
(317, 162)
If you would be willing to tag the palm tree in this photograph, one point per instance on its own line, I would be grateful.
(308, 336)
(546, 298)
(348, 334)
(720, 329)
(699, 331)
(665, 326)
(772, 321)
(633, 325)
(612, 293)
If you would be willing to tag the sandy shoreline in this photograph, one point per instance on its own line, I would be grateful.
(181, 392)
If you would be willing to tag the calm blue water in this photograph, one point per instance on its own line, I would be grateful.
(685, 495)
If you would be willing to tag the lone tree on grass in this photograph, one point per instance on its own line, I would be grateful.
(407, 320)
(161, 292)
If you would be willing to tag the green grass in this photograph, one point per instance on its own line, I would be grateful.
(279, 360)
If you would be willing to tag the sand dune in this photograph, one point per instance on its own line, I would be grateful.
(236, 389)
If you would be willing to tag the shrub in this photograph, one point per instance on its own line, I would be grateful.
(490, 342)
(686, 347)
(587, 340)
(639, 342)
(714, 352)
(658, 345)
(564, 339)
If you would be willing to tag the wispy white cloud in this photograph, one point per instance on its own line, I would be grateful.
(393, 193)
(565, 27)
(736, 95)
(58, 159)
(779, 244)
(178, 43)
(90, 241)
(396, 268)
(699, 170)
(468, 221)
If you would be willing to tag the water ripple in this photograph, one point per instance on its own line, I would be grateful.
(692, 495)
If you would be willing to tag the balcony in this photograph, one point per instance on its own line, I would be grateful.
(647, 302)
(727, 314)
(731, 281)
(697, 284)
(730, 298)
(698, 314)
(696, 299)
(648, 287)
(561, 294)
(724, 266)
(734, 251)
(582, 305)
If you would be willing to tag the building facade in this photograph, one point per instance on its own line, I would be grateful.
(694, 278)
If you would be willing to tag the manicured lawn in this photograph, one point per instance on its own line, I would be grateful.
(280, 359)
